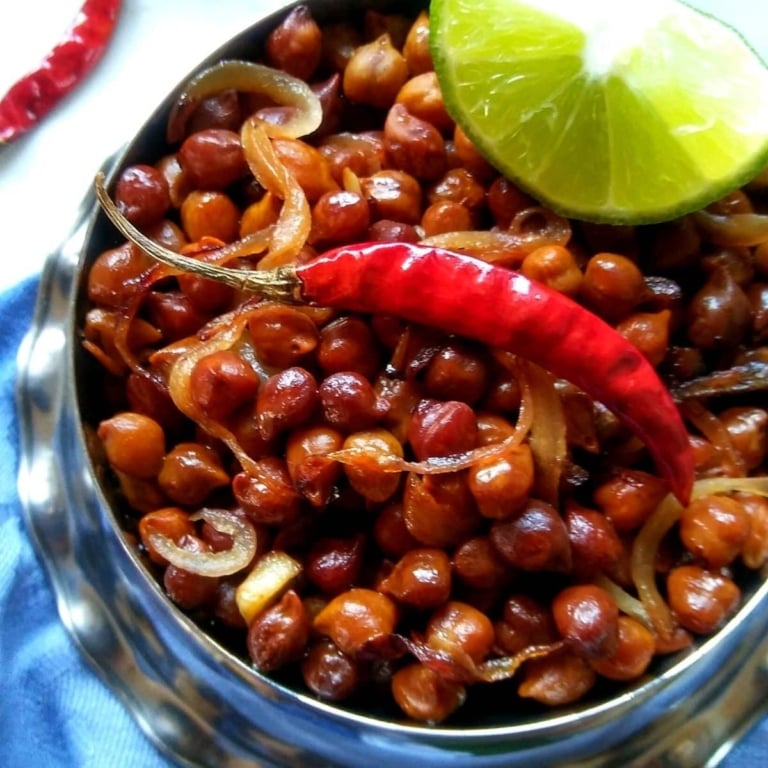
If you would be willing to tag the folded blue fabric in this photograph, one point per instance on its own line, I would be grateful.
(54, 710)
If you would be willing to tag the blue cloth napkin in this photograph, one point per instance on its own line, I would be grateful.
(54, 711)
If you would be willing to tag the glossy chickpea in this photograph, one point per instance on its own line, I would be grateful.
(139, 494)
(714, 529)
(421, 578)
(190, 590)
(286, 400)
(613, 285)
(446, 216)
(190, 473)
(422, 98)
(390, 531)
(649, 332)
(349, 402)
(260, 214)
(442, 428)
(416, 50)
(355, 617)
(456, 372)
(457, 628)
(754, 553)
(212, 159)
(296, 44)
(628, 497)
(586, 616)
(112, 278)
(460, 186)
(222, 382)
(424, 695)
(633, 653)
(375, 73)
(340, 39)
(279, 635)
(313, 475)
(505, 201)
(468, 156)
(134, 444)
(387, 230)
(555, 266)
(364, 475)
(757, 293)
(595, 544)
(220, 110)
(748, 430)
(266, 494)
(361, 154)
(173, 314)
(394, 195)
(478, 565)
(439, 510)
(524, 622)
(307, 165)
(171, 522)
(557, 679)
(142, 195)
(535, 540)
(207, 213)
(333, 564)
(329, 673)
(502, 484)
(702, 600)
(413, 144)
(340, 216)
(204, 295)
(283, 336)
(347, 344)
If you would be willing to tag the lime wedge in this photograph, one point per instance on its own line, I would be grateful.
(620, 112)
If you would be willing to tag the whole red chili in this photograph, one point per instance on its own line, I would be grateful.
(69, 61)
(490, 304)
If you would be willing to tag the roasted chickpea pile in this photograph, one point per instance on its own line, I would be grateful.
(239, 432)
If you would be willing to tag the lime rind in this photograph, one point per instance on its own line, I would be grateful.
(642, 144)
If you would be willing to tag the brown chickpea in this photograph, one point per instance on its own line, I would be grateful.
(557, 679)
(286, 400)
(210, 214)
(459, 628)
(296, 44)
(349, 402)
(478, 565)
(468, 156)
(375, 73)
(365, 477)
(757, 293)
(439, 510)
(178, 181)
(333, 564)
(313, 475)
(139, 494)
(413, 145)
(361, 154)
(204, 295)
(112, 278)
(220, 110)
(702, 600)
(628, 497)
(171, 522)
(424, 695)
(748, 429)
(278, 636)
(460, 186)
(555, 266)
(587, 618)
(283, 336)
(502, 484)
(446, 216)
(190, 473)
(212, 159)
(173, 314)
(505, 201)
(719, 314)
(634, 651)
(595, 545)
(222, 382)
(190, 590)
(377, 23)
(307, 165)
(149, 397)
(492, 428)
(348, 344)
(421, 578)
(340, 39)
(456, 372)
(649, 332)
(613, 285)
(416, 50)
(340, 216)
(422, 97)
(524, 622)
(754, 553)
(714, 529)
(267, 496)
(391, 532)
(393, 194)
(535, 540)
(142, 195)
(330, 673)
(442, 428)
(133, 443)
(386, 230)
(260, 214)
(355, 617)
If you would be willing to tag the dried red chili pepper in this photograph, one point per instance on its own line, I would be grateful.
(493, 305)
(69, 61)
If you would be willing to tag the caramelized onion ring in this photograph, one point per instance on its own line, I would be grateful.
(735, 229)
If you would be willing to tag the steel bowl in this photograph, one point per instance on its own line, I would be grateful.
(203, 704)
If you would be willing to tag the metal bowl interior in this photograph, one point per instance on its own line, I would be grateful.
(196, 695)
